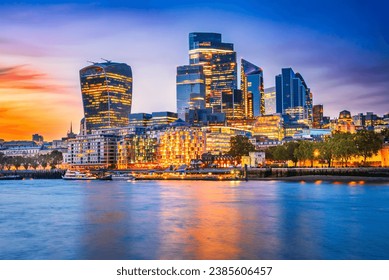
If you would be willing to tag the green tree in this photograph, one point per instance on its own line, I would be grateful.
(344, 147)
(326, 150)
(306, 151)
(290, 148)
(368, 143)
(240, 146)
(385, 134)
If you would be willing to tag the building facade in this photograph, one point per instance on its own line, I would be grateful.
(293, 97)
(270, 100)
(190, 84)
(251, 84)
(218, 60)
(106, 94)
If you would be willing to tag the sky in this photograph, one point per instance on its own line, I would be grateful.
(341, 48)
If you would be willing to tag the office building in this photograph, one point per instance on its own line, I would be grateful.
(293, 97)
(233, 104)
(251, 83)
(270, 100)
(317, 116)
(218, 60)
(190, 84)
(106, 94)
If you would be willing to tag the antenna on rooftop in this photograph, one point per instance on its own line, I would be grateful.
(91, 62)
(106, 60)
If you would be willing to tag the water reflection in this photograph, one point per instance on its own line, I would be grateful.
(193, 220)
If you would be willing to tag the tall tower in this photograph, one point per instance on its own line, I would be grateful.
(106, 94)
(251, 83)
(219, 66)
(293, 97)
(190, 85)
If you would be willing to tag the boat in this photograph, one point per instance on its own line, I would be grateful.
(11, 177)
(77, 175)
(122, 177)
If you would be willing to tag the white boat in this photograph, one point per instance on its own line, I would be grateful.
(77, 175)
(122, 177)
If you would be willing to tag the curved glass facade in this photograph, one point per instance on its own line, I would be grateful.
(106, 95)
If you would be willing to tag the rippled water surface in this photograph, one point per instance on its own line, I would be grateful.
(56, 219)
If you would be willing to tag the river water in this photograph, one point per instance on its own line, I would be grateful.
(56, 219)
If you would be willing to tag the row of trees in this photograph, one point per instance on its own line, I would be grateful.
(340, 146)
(52, 160)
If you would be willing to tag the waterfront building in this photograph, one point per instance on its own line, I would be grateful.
(317, 116)
(218, 138)
(218, 60)
(271, 126)
(270, 100)
(136, 150)
(294, 130)
(178, 145)
(106, 94)
(251, 84)
(190, 84)
(97, 150)
(293, 97)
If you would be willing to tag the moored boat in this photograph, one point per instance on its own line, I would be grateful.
(77, 175)
(122, 177)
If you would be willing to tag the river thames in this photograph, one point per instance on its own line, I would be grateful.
(56, 219)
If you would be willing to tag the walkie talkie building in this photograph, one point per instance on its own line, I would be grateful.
(106, 94)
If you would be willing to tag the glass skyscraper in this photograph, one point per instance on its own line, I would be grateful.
(218, 60)
(106, 94)
(190, 89)
(293, 97)
(270, 100)
(251, 83)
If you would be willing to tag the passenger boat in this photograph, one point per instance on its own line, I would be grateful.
(77, 175)
(122, 177)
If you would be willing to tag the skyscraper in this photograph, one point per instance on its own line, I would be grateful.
(293, 97)
(219, 66)
(190, 89)
(106, 94)
(251, 83)
(317, 116)
(270, 100)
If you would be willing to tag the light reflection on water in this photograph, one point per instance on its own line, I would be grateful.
(55, 219)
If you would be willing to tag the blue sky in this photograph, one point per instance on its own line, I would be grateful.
(340, 48)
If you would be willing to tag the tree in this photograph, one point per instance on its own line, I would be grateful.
(344, 147)
(17, 161)
(34, 162)
(290, 148)
(43, 160)
(240, 146)
(54, 158)
(326, 150)
(368, 143)
(26, 162)
(2, 161)
(306, 151)
(385, 135)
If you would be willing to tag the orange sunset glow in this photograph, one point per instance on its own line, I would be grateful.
(34, 102)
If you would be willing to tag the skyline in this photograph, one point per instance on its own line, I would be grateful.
(45, 45)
